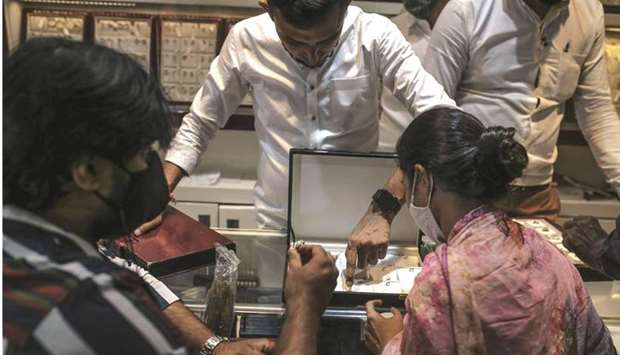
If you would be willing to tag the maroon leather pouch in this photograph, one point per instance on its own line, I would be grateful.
(179, 243)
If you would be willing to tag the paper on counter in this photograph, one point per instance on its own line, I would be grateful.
(394, 274)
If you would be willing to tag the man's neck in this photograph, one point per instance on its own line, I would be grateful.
(74, 220)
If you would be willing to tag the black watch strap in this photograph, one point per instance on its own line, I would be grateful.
(386, 202)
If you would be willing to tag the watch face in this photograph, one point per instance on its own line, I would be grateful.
(386, 202)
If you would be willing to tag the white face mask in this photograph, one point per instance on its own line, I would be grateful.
(423, 216)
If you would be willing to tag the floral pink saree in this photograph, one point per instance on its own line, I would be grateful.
(498, 288)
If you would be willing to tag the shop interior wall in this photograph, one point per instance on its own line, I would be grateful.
(235, 152)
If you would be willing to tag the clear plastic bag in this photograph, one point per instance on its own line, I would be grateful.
(220, 301)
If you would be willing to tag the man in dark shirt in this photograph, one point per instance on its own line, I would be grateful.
(83, 126)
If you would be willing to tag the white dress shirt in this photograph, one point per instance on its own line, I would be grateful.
(394, 116)
(333, 107)
(508, 67)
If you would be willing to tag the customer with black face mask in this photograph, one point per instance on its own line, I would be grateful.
(82, 127)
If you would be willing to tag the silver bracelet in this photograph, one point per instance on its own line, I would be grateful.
(209, 346)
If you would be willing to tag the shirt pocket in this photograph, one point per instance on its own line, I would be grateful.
(351, 100)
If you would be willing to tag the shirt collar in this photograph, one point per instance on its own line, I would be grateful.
(21, 215)
(553, 13)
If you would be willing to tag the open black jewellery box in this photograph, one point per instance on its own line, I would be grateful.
(329, 192)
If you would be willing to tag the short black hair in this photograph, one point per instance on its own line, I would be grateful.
(64, 100)
(463, 156)
(304, 13)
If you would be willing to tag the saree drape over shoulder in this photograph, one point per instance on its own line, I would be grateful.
(496, 287)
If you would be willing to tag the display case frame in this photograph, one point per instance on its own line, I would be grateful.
(82, 15)
(130, 16)
(199, 72)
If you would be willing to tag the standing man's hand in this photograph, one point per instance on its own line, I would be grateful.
(371, 236)
(150, 225)
(379, 328)
(173, 174)
(311, 278)
(368, 243)
(585, 237)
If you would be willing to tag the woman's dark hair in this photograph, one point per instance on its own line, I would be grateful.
(463, 156)
(64, 100)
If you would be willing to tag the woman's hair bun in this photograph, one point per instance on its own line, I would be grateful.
(499, 160)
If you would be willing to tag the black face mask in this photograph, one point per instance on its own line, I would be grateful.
(146, 195)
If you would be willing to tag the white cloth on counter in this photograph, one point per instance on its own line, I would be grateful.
(333, 107)
(394, 116)
(203, 179)
(508, 67)
(394, 274)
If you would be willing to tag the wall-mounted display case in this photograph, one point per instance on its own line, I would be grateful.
(188, 46)
(129, 34)
(63, 24)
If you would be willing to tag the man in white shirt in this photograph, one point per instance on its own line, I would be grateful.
(316, 70)
(515, 63)
(415, 23)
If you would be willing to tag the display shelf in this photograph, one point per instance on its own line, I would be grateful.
(129, 33)
(612, 8)
(385, 7)
(54, 23)
(187, 46)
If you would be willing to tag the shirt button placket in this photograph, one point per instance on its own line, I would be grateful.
(313, 109)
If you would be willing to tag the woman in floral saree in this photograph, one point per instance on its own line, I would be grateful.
(491, 286)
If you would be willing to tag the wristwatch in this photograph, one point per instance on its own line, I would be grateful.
(209, 346)
(386, 203)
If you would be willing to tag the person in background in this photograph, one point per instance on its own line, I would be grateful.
(585, 237)
(83, 125)
(552, 51)
(315, 70)
(415, 22)
(515, 64)
(492, 286)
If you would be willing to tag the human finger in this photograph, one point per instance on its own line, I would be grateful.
(148, 226)
(373, 258)
(370, 308)
(294, 258)
(362, 257)
(351, 256)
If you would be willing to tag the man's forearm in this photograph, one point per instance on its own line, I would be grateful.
(299, 333)
(396, 185)
(193, 331)
(173, 174)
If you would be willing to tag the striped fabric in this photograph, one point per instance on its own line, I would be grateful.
(61, 297)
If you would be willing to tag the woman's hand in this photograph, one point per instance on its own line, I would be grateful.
(380, 329)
